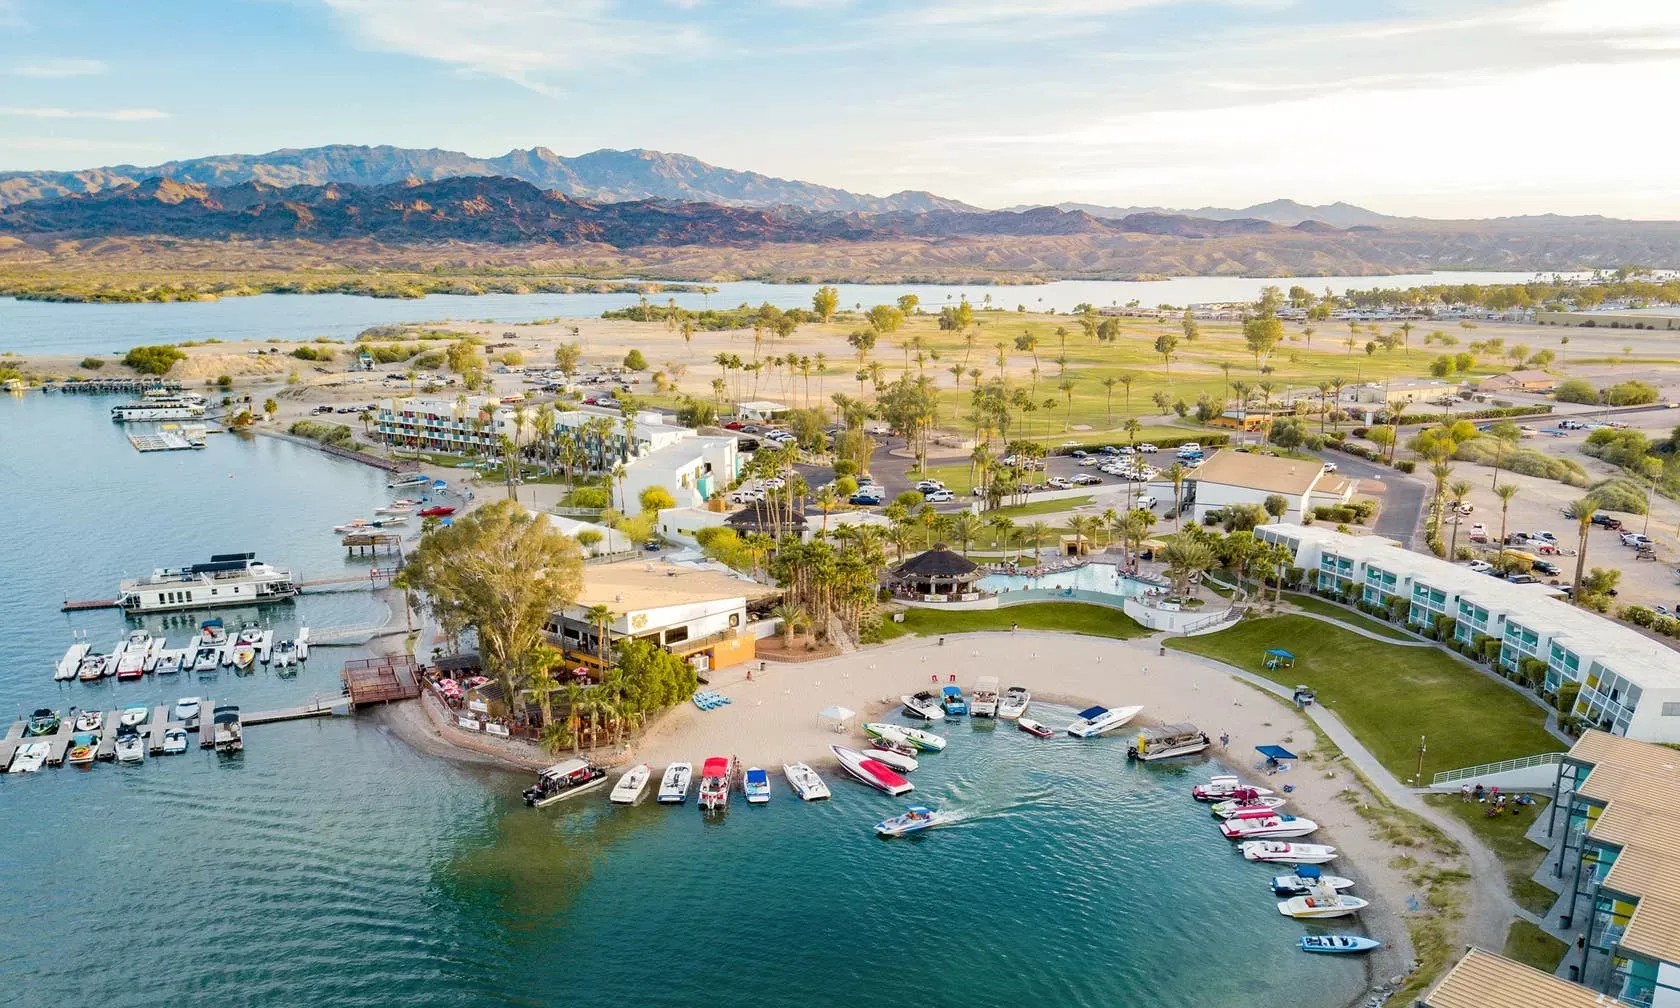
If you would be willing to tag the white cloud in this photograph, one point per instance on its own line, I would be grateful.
(60, 68)
(112, 115)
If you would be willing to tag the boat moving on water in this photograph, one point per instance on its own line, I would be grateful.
(805, 782)
(1094, 721)
(871, 771)
(1014, 702)
(1278, 852)
(562, 781)
(918, 818)
(673, 786)
(1342, 944)
(628, 790)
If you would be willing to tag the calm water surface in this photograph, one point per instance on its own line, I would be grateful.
(330, 864)
(38, 327)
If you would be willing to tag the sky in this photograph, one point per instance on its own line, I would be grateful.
(1448, 108)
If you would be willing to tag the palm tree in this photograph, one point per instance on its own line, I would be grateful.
(1004, 527)
(1083, 527)
(1132, 429)
(599, 616)
(1459, 489)
(1125, 379)
(554, 737)
(1108, 383)
(1185, 559)
(794, 618)
(1323, 403)
(1394, 412)
(1582, 511)
(826, 502)
(1037, 531)
(1066, 387)
(1178, 474)
(966, 525)
(618, 475)
(1504, 493)
(574, 707)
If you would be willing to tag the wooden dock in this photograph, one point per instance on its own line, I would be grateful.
(9, 744)
(108, 736)
(109, 603)
(377, 680)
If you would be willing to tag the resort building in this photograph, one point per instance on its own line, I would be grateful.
(1621, 857)
(1233, 477)
(1405, 390)
(611, 540)
(761, 411)
(1539, 382)
(1485, 980)
(937, 575)
(690, 468)
(1629, 684)
(697, 613)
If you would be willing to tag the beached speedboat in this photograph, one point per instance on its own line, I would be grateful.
(923, 705)
(1250, 807)
(893, 743)
(952, 701)
(186, 708)
(756, 786)
(174, 741)
(83, 748)
(1277, 852)
(390, 521)
(1094, 721)
(131, 748)
(1341, 944)
(891, 757)
(44, 721)
(924, 740)
(437, 511)
(352, 526)
(1244, 812)
(564, 780)
(984, 699)
(1032, 727)
(805, 782)
(918, 818)
(90, 721)
(716, 775)
(396, 508)
(1321, 907)
(30, 757)
(410, 480)
(1225, 788)
(871, 771)
(1167, 742)
(628, 790)
(1273, 827)
(673, 786)
(133, 716)
(1305, 880)
(1014, 702)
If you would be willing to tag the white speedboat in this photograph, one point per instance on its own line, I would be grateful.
(983, 701)
(1014, 702)
(94, 667)
(207, 658)
(871, 771)
(284, 654)
(410, 480)
(174, 741)
(186, 708)
(1278, 852)
(1274, 827)
(131, 748)
(243, 654)
(755, 784)
(393, 509)
(897, 760)
(805, 782)
(1252, 808)
(923, 705)
(1321, 907)
(1094, 721)
(916, 819)
(1224, 787)
(673, 786)
(90, 721)
(628, 790)
(924, 740)
(133, 716)
(29, 758)
(169, 662)
(1305, 880)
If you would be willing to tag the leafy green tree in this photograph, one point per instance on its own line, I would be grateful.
(1276, 505)
(656, 498)
(635, 361)
(824, 302)
(153, 360)
(885, 318)
(907, 303)
(1576, 390)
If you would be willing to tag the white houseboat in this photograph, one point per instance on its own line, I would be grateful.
(228, 579)
(161, 406)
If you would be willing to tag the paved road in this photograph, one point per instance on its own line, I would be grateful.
(1402, 503)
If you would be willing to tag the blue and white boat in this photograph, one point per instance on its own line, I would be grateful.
(1305, 879)
(1339, 944)
(1094, 721)
(756, 786)
(952, 701)
(918, 818)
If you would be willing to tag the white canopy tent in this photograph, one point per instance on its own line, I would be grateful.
(836, 717)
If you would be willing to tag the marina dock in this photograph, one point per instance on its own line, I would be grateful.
(163, 441)
(157, 726)
(373, 580)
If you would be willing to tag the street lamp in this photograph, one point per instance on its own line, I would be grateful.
(1422, 748)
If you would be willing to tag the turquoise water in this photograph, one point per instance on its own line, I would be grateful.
(1095, 577)
(330, 864)
(40, 327)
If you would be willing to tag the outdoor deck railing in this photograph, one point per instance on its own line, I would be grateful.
(1468, 773)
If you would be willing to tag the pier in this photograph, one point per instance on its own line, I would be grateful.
(365, 543)
(164, 441)
(158, 725)
(377, 680)
(101, 386)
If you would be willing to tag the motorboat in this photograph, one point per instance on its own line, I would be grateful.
(1032, 727)
(174, 741)
(131, 658)
(251, 634)
(186, 708)
(1167, 742)
(212, 631)
(207, 658)
(924, 740)
(871, 771)
(805, 782)
(131, 748)
(1321, 907)
(133, 716)
(227, 734)
(284, 654)
(44, 721)
(1305, 879)
(83, 748)
(90, 721)
(1094, 721)
(952, 701)
(916, 819)
(1340, 944)
(893, 744)
(243, 654)
(891, 757)
(983, 702)
(169, 662)
(406, 503)
(923, 705)
(1249, 807)
(394, 508)
(411, 480)
(628, 790)
(390, 521)
(562, 781)
(673, 786)
(1238, 795)
(1224, 787)
(93, 667)
(1278, 852)
(30, 757)
(353, 526)
(1014, 702)
(756, 786)
(437, 511)
(71, 662)
(1273, 827)
(716, 776)
(1244, 812)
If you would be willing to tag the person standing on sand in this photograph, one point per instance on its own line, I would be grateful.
(1464, 792)
(1224, 739)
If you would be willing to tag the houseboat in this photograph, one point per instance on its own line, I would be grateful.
(228, 579)
(161, 405)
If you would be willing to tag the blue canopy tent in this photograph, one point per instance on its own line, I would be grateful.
(1274, 752)
(1279, 658)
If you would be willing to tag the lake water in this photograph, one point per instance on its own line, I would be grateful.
(329, 864)
(40, 327)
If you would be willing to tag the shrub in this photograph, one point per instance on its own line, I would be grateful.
(588, 497)
(155, 360)
(1638, 615)
(1576, 390)
(1361, 432)
(429, 361)
(1618, 493)
(1566, 694)
(635, 361)
(310, 353)
(224, 381)
(92, 363)
(1668, 626)
(513, 358)
(1405, 465)
(1630, 393)
(325, 433)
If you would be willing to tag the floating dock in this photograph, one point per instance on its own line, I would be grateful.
(162, 441)
(156, 726)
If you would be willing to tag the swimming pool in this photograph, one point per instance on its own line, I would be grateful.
(1093, 577)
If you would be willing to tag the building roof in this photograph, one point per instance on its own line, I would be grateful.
(1524, 375)
(936, 562)
(754, 519)
(764, 406)
(1484, 980)
(1258, 472)
(632, 585)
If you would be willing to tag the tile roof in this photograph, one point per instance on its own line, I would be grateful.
(1258, 472)
(1484, 980)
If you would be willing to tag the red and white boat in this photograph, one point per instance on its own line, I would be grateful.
(1032, 727)
(440, 511)
(716, 775)
(1224, 788)
(1277, 852)
(872, 771)
(1272, 827)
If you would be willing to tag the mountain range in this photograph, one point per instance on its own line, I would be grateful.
(1279, 211)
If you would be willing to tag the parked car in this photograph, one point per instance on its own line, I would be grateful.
(1109, 449)
(927, 485)
(865, 499)
(1079, 453)
(1635, 539)
(733, 425)
(1086, 479)
(1478, 532)
(1523, 579)
(1546, 536)
(1603, 520)
(1480, 566)
(1058, 483)
(1546, 567)
(935, 496)
(1146, 502)
(1329, 467)
(1089, 460)
(1147, 448)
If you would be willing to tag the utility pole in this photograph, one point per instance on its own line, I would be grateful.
(1422, 748)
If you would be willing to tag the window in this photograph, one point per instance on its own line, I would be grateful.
(675, 634)
(1671, 710)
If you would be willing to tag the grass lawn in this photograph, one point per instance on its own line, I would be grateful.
(1068, 617)
(954, 476)
(1312, 603)
(1390, 696)
(1019, 511)
(1504, 836)
(1528, 944)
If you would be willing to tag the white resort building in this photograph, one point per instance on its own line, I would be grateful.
(1629, 683)
(1232, 477)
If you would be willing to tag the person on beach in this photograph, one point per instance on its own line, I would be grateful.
(1224, 739)
(1464, 792)
(1481, 795)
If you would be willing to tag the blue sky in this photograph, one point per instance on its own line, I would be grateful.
(1442, 107)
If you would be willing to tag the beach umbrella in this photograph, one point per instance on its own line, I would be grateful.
(837, 717)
